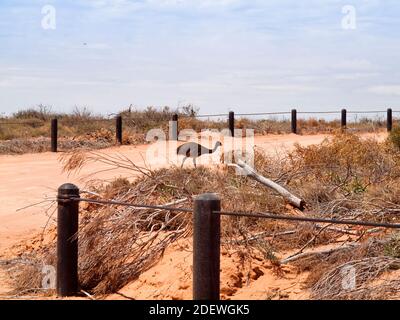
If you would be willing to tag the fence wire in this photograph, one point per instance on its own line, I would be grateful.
(133, 205)
(306, 219)
(261, 215)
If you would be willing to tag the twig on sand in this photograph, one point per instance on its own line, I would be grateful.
(88, 295)
(309, 242)
(319, 252)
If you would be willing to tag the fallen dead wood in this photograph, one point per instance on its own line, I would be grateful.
(319, 252)
(348, 246)
(249, 171)
(349, 232)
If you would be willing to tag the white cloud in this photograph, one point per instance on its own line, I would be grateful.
(286, 88)
(393, 90)
(355, 75)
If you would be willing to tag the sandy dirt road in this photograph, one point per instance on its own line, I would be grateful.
(28, 179)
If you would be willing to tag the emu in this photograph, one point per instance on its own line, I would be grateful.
(195, 150)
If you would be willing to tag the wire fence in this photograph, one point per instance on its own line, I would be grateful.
(117, 125)
(106, 119)
(288, 113)
(206, 215)
(261, 215)
(291, 117)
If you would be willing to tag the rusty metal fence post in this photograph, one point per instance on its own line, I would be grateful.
(67, 241)
(389, 120)
(206, 247)
(54, 135)
(231, 122)
(344, 119)
(118, 129)
(294, 121)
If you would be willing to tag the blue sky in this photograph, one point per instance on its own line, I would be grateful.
(220, 55)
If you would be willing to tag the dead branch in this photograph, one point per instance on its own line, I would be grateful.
(292, 199)
(319, 252)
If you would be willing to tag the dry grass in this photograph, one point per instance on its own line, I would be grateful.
(367, 270)
(346, 177)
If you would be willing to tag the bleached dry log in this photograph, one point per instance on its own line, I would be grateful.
(292, 199)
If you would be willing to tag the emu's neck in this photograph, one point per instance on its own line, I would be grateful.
(215, 148)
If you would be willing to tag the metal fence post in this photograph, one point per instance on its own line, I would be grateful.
(294, 121)
(232, 123)
(173, 133)
(344, 119)
(206, 247)
(389, 120)
(67, 241)
(118, 129)
(54, 135)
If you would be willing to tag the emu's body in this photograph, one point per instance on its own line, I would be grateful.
(195, 150)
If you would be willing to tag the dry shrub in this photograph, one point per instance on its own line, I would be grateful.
(346, 161)
(332, 284)
(346, 176)
(42, 112)
(394, 137)
(25, 275)
(328, 271)
(392, 247)
(38, 145)
(150, 118)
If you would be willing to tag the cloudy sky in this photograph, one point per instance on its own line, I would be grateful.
(220, 55)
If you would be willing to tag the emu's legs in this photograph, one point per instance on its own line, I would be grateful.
(194, 162)
(184, 159)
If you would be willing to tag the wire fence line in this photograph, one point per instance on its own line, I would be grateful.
(133, 205)
(119, 121)
(6, 122)
(262, 114)
(298, 112)
(204, 115)
(367, 112)
(318, 112)
(31, 123)
(283, 113)
(206, 214)
(42, 122)
(261, 215)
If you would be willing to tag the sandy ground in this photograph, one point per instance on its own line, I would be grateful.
(257, 281)
(28, 179)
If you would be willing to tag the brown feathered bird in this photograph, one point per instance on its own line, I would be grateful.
(195, 150)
